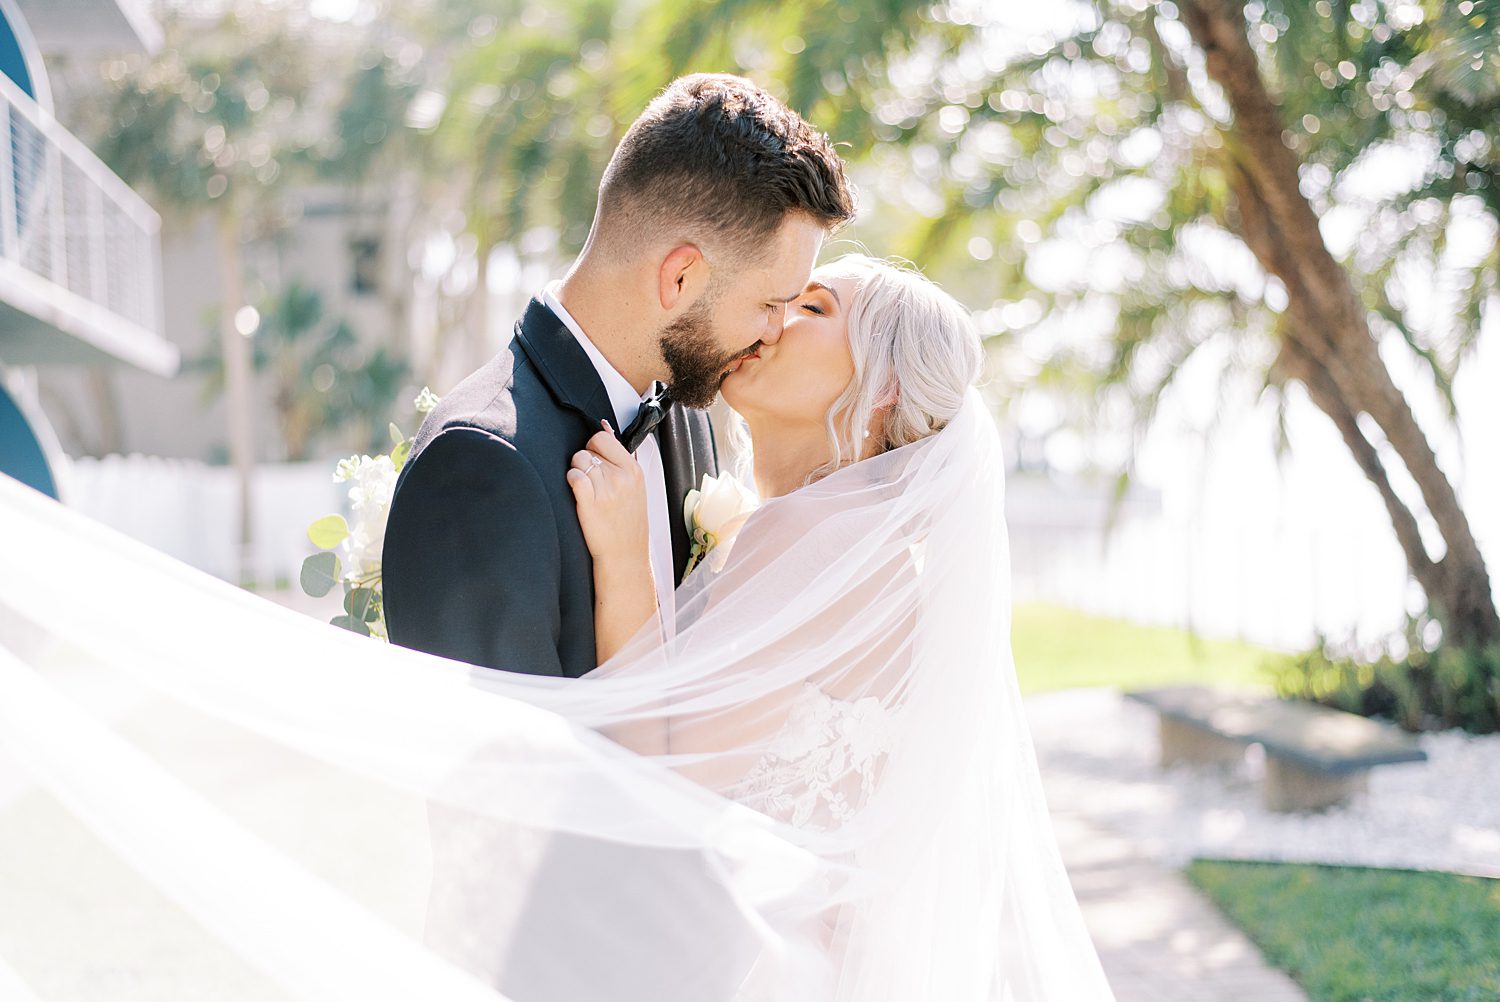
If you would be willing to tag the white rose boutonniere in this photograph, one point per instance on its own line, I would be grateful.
(714, 514)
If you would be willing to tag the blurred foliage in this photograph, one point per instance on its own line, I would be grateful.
(239, 106)
(215, 120)
(534, 96)
(327, 389)
(978, 148)
(1425, 687)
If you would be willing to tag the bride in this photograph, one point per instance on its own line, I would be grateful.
(820, 786)
(840, 662)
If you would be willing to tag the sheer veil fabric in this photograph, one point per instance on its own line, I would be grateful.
(821, 788)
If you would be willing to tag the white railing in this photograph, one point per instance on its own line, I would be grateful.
(66, 218)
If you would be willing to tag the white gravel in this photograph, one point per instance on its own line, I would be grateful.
(1098, 757)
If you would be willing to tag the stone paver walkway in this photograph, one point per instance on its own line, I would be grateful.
(1159, 938)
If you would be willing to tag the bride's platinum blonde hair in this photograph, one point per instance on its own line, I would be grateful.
(916, 353)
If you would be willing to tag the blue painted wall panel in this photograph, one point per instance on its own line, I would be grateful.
(12, 64)
(21, 454)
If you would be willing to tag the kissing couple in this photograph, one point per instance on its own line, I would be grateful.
(817, 648)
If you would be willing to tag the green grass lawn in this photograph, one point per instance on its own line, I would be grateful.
(1059, 648)
(1355, 934)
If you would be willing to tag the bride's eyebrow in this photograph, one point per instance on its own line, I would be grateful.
(826, 288)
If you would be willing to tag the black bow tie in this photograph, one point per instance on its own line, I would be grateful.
(653, 409)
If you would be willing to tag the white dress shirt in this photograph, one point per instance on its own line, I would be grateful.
(626, 404)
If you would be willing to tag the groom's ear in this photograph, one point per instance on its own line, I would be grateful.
(682, 277)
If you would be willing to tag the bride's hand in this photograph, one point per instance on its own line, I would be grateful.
(610, 490)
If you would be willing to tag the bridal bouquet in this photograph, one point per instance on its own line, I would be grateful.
(358, 540)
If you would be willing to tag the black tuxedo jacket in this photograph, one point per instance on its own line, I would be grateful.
(484, 560)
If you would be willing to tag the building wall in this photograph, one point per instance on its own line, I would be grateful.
(172, 418)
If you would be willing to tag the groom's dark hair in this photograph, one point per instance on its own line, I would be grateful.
(719, 158)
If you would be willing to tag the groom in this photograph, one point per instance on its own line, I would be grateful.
(711, 214)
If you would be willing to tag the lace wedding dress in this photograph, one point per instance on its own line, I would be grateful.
(822, 766)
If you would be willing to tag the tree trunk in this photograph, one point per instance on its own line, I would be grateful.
(479, 309)
(396, 273)
(237, 383)
(1328, 344)
(107, 405)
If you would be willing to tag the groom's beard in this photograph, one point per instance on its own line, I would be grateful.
(694, 358)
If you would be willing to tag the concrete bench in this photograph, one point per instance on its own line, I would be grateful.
(1315, 756)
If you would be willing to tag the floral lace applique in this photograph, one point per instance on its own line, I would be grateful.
(821, 767)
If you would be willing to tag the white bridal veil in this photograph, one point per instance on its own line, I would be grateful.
(821, 789)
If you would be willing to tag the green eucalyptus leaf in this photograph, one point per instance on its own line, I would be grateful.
(399, 454)
(328, 531)
(351, 624)
(396, 437)
(363, 604)
(320, 572)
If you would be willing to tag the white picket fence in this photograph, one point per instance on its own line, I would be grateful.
(189, 509)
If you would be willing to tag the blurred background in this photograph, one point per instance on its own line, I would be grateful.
(1239, 312)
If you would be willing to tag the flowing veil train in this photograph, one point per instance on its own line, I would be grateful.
(822, 788)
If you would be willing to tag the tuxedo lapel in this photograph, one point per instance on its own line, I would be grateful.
(684, 435)
(562, 363)
(687, 453)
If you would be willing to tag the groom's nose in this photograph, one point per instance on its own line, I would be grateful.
(774, 328)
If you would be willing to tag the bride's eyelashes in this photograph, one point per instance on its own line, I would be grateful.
(813, 308)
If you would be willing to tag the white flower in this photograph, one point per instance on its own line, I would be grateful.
(426, 401)
(372, 483)
(714, 514)
(719, 506)
(361, 552)
(348, 469)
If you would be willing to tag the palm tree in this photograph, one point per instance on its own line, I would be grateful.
(1325, 332)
